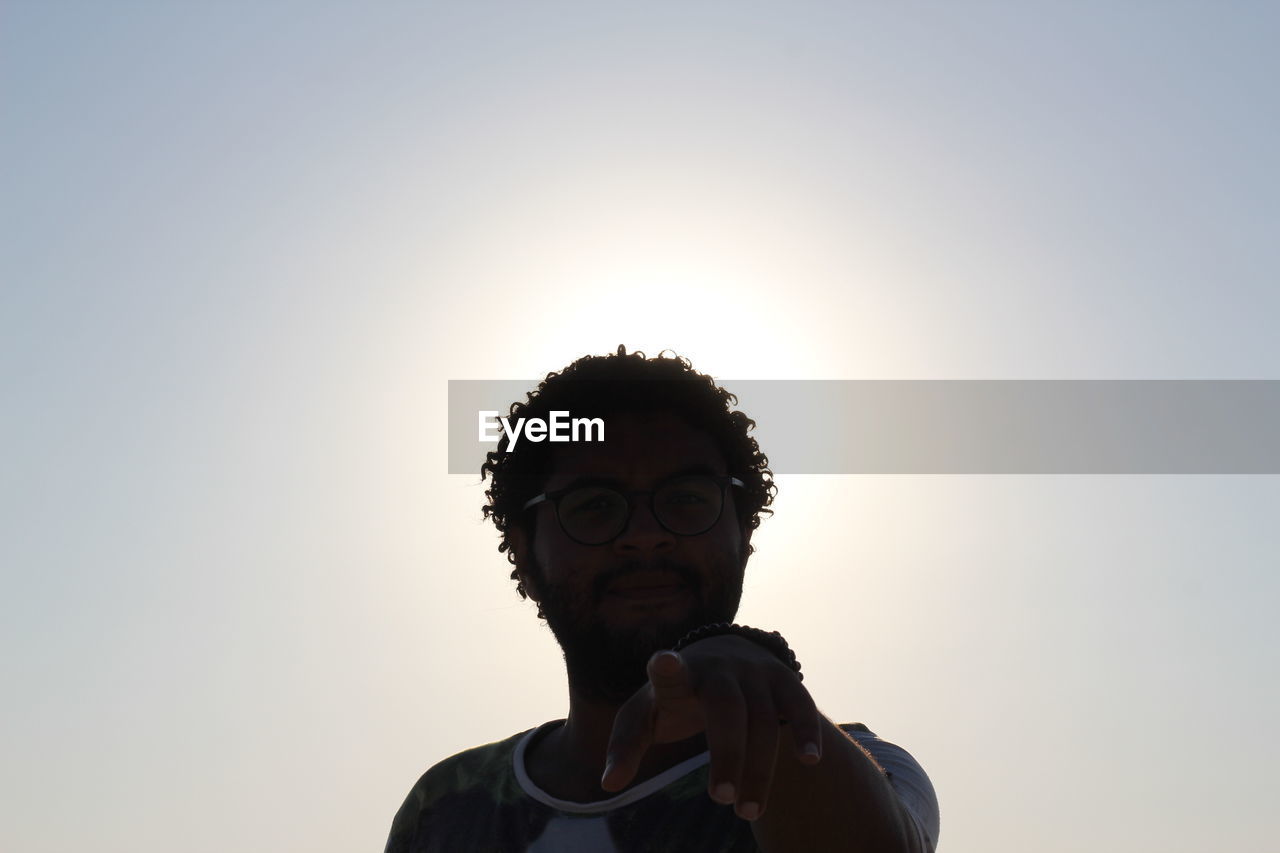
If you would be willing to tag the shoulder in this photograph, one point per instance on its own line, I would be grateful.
(906, 776)
(476, 779)
(488, 766)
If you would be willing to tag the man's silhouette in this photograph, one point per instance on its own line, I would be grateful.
(685, 732)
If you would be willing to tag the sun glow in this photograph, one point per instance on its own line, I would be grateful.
(706, 267)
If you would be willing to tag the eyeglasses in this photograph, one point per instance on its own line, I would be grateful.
(595, 515)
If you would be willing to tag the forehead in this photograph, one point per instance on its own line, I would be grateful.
(639, 450)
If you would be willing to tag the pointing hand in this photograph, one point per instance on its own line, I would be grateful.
(736, 692)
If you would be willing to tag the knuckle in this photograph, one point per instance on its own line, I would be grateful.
(720, 681)
(722, 696)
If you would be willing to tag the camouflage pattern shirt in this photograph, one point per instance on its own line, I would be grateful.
(482, 801)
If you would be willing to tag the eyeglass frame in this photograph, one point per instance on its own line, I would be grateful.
(724, 482)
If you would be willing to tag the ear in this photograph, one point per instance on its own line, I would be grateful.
(522, 551)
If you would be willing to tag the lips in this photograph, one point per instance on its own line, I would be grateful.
(642, 586)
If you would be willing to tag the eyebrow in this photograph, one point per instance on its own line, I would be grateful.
(614, 483)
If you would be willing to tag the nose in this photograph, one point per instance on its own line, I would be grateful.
(643, 534)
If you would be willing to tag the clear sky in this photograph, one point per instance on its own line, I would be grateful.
(244, 246)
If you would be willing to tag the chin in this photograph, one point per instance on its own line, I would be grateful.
(610, 662)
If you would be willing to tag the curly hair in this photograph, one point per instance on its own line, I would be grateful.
(596, 386)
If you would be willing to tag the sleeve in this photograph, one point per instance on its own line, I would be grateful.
(404, 826)
(469, 801)
(909, 781)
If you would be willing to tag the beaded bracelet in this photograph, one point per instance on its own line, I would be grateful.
(771, 640)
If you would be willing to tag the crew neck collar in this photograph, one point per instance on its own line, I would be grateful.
(630, 795)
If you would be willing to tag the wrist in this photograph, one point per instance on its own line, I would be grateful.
(772, 641)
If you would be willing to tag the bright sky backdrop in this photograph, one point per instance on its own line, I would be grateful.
(243, 247)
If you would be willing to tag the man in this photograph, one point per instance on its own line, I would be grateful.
(684, 732)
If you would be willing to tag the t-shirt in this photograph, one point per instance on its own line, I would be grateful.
(482, 801)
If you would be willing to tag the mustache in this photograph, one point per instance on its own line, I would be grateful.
(608, 576)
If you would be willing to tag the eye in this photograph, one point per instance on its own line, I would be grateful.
(590, 502)
(690, 492)
(685, 498)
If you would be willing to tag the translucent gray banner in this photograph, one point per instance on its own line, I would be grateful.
(969, 426)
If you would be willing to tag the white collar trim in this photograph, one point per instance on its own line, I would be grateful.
(631, 795)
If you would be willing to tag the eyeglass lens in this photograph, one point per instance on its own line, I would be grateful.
(687, 507)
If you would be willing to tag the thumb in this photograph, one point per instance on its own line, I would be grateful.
(669, 676)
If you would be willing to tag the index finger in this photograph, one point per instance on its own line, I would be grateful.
(633, 725)
(630, 738)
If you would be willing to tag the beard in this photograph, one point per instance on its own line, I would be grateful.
(609, 662)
